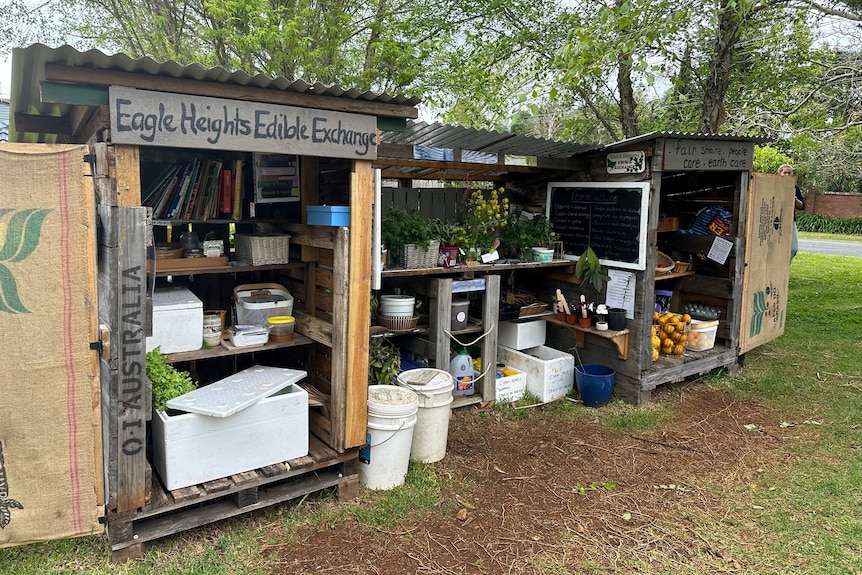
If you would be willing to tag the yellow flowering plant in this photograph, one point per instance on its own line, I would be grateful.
(483, 217)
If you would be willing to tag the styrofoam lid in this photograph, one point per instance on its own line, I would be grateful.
(175, 298)
(234, 393)
(425, 379)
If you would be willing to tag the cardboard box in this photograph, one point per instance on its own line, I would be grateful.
(550, 372)
(178, 321)
(192, 448)
(521, 335)
(510, 387)
(328, 215)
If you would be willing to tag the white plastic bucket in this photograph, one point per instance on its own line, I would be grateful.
(397, 305)
(434, 388)
(391, 419)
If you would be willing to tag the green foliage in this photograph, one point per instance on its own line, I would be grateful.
(589, 270)
(399, 227)
(818, 223)
(767, 159)
(445, 232)
(384, 362)
(167, 381)
(522, 234)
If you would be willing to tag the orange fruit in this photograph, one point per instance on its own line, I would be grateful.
(679, 349)
(686, 318)
(668, 328)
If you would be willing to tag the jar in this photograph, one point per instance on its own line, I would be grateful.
(281, 327)
(212, 328)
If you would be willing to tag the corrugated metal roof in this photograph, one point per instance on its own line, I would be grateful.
(438, 135)
(28, 71)
(684, 136)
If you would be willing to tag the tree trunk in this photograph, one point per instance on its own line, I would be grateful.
(713, 114)
(628, 116)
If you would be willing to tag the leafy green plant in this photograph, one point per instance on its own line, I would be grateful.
(167, 381)
(522, 234)
(399, 227)
(384, 361)
(445, 232)
(589, 270)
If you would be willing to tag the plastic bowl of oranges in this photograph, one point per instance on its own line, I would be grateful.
(669, 333)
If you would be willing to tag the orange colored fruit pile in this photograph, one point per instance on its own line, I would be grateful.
(669, 333)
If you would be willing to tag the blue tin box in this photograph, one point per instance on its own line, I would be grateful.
(328, 216)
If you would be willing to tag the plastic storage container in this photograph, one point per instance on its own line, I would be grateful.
(178, 316)
(281, 327)
(460, 312)
(255, 303)
(701, 335)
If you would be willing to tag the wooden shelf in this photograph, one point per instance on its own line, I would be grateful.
(620, 338)
(484, 268)
(222, 351)
(223, 269)
(672, 275)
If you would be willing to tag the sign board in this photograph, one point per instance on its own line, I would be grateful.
(610, 217)
(626, 162)
(707, 155)
(146, 118)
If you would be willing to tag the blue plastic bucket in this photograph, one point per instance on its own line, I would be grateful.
(595, 384)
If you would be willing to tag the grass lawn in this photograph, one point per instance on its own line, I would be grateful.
(804, 515)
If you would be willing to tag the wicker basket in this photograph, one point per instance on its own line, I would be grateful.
(262, 249)
(664, 263)
(681, 267)
(398, 323)
(415, 257)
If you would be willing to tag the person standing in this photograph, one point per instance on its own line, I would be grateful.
(799, 204)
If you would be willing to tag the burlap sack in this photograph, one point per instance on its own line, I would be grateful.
(50, 471)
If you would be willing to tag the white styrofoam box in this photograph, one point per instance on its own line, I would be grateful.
(192, 448)
(510, 387)
(521, 335)
(550, 372)
(178, 321)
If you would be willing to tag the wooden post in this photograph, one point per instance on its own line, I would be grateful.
(359, 293)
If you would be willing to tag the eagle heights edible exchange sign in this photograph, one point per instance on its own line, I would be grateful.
(147, 118)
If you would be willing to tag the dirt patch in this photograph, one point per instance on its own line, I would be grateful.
(553, 493)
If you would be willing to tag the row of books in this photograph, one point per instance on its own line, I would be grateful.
(198, 190)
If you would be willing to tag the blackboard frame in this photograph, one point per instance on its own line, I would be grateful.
(590, 188)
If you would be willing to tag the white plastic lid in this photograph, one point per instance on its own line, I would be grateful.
(392, 400)
(425, 379)
(234, 393)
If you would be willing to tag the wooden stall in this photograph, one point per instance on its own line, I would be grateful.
(724, 229)
(257, 153)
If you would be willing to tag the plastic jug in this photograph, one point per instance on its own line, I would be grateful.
(461, 368)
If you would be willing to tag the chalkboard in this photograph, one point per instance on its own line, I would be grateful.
(610, 217)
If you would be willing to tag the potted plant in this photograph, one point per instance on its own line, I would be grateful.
(447, 233)
(400, 229)
(522, 234)
(384, 361)
(483, 219)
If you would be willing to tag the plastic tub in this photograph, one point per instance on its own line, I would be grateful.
(397, 305)
(255, 303)
(281, 327)
(701, 335)
(543, 254)
(595, 384)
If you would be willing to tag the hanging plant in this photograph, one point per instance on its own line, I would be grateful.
(589, 270)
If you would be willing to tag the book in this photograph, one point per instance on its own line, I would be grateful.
(226, 187)
(237, 189)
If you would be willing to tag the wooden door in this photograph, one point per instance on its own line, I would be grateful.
(768, 232)
(50, 424)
